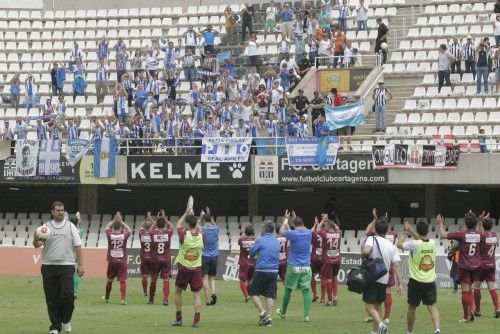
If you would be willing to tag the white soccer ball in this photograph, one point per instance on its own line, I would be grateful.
(383, 46)
(43, 232)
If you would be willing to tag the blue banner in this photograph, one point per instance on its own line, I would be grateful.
(312, 151)
(345, 116)
(76, 149)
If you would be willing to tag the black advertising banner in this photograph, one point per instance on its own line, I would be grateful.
(228, 268)
(185, 170)
(68, 174)
(415, 156)
(348, 169)
(357, 76)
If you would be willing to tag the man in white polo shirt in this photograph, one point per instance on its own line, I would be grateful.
(58, 267)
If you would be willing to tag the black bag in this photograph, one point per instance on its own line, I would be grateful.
(375, 268)
(356, 280)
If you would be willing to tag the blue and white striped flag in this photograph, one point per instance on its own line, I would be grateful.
(105, 157)
(341, 117)
(49, 157)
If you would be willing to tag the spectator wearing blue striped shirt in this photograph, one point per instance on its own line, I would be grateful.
(72, 129)
(21, 129)
(103, 49)
(30, 92)
(343, 15)
(41, 130)
(101, 84)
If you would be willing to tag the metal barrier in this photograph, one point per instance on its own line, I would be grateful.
(328, 61)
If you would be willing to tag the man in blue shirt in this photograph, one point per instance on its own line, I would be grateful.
(287, 18)
(321, 127)
(267, 250)
(209, 39)
(298, 273)
(210, 256)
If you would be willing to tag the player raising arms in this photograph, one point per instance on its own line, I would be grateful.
(189, 265)
(470, 259)
(489, 242)
(145, 254)
(161, 235)
(117, 233)
(331, 236)
(316, 261)
(247, 264)
(391, 236)
(283, 252)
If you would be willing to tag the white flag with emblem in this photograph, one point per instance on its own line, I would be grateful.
(49, 157)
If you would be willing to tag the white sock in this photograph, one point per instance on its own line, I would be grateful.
(437, 331)
(374, 332)
(262, 313)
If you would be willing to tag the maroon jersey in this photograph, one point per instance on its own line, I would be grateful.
(317, 247)
(470, 248)
(160, 244)
(245, 244)
(145, 239)
(488, 246)
(117, 245)
(391, 236)
(283, 248)
(331, 246)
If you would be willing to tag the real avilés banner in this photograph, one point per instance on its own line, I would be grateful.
(225, 149)
(304, 151)
(228, 268)
(415, 156)
(186, 170)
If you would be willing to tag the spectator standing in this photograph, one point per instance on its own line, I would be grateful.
(300, 103)
(340, 41)
(325, 20)
(362, 16)
(171, 55)
(316, 108)
(121, 64)
(21, 129)
(496, 27)
(103, 49)
(270, 23)
(190, 40)
(456, 50)
(30, 92)
(253, 52)
(79, 73)
(209, 39)
(189, 67)
(300, 48)
(247, 13)
(53, 78)
(15, 91)
(283, 47)
(137, 62)
(152, 60)
(469, 52)
(101, 84)
(343, 15)
(496, 58)
(481, 67)
(287, 16)
(445, 58)
(229, 22)
(313, 50)
(75, 54)
(381, 96)
(323, 51)
(304, 64)
(382, 34)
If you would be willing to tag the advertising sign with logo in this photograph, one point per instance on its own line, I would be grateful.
(186, 170)
(345, 80)
(348, 169)
(87, 172)
(415, 156)
(265, 169)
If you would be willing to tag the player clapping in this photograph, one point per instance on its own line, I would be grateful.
(117, 233)
(247, 264)
(145, 254)
(317, 260)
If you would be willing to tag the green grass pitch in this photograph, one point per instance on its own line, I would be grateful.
(23, 311)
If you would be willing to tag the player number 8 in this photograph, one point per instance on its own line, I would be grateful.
(472, 249)
(161, 248)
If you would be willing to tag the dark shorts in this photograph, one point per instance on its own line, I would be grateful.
(263, 284)
(246, 273)
(330, 270)
(282, 271)
(374, 293)
(118, 270)
(467, 276)
(209, 265)
(421, 292)
(146, 267)
(191, 277)
(316, 267)
(163, 269)
(486, 275)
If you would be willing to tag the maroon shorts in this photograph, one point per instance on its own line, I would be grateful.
(392, 279)
(467, 276)
(316, 267)
(246, 273)
(282, 271)
(163, 269)
(329, 270)
(118, 270)
(191, 277)
(486, 275)
(146, 267)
